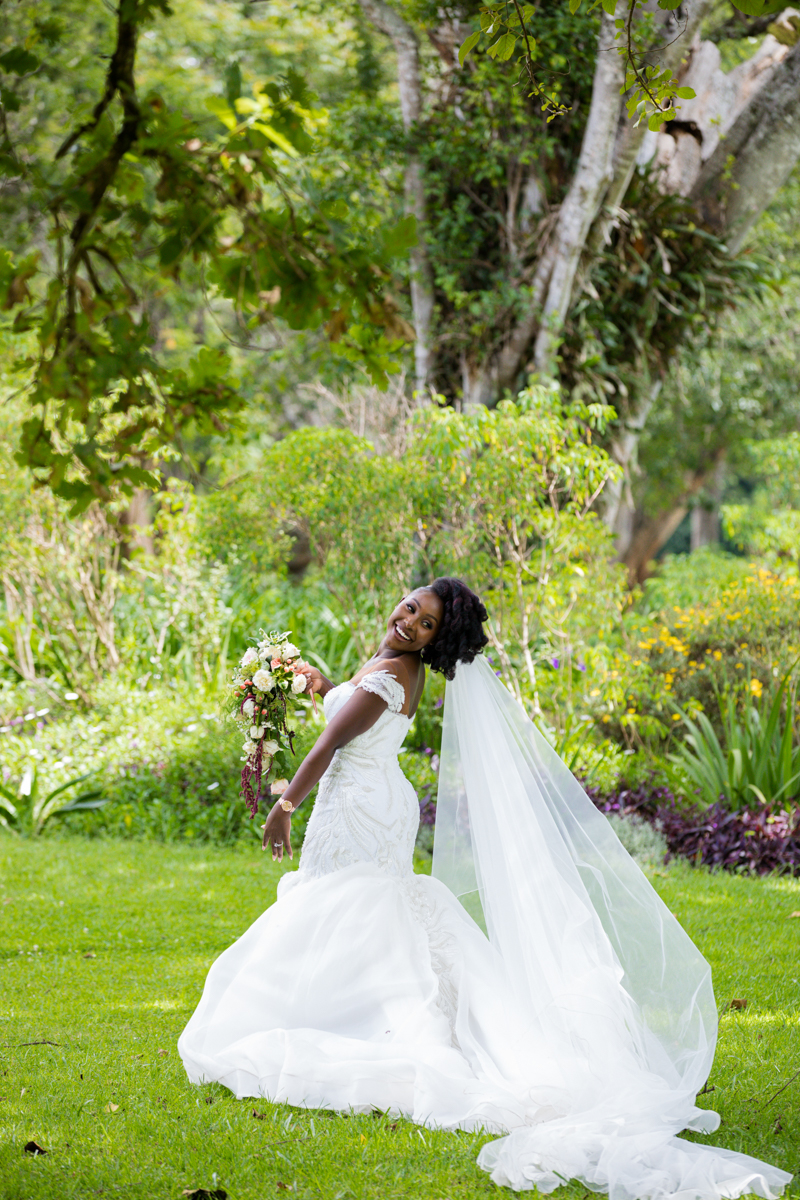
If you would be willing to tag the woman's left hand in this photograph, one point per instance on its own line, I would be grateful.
(278, 833)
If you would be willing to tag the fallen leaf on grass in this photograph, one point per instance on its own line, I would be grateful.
(33, 1148)
(111, 1107)
(258, 1116)
(205, 1193)
(794, 914)
(777, 1127)
(163, 1053)
(283, 1187)
(739, 1004)
(90, 954)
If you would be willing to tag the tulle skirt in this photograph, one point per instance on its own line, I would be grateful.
(360, 990)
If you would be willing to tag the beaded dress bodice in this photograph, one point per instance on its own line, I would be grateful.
(366, 811)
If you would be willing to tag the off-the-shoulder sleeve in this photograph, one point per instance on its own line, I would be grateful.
(384, 684)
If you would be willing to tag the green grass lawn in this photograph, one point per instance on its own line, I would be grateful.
(105, 946)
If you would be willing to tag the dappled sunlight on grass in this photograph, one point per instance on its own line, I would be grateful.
(103, 1090)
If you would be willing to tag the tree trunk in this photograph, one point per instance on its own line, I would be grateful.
(589, 184)
(731, 151)
(607, 160)
(651, 533)
(619, 508)
(672, 49)
(406, 46)
(134, 522)
(760, 150)
(705, 516)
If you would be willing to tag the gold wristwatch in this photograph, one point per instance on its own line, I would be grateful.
(287, 806)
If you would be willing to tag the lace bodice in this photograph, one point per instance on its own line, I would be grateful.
(366, 810)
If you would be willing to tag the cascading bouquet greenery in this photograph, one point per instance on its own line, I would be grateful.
(265, 690)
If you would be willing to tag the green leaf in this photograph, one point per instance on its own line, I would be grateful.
(759, 8)
(18, 61)
(218, 105)
(685, 93)
(669, 5)
(9, 100)
(401, 237)
(503, 48)
(337, 210)
(275, 137)
(574, 5)
(468, 45)
(610, 7)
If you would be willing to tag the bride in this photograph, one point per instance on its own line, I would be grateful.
(535, 986)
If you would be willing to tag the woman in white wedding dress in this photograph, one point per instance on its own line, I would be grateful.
(572, 1015)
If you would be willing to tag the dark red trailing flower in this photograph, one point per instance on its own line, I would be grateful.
(756, 841)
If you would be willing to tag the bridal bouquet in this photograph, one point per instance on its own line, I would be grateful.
(265, 689)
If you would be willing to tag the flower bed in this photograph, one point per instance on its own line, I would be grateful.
(755, 841)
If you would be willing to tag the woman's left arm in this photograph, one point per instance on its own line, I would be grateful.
(358, 715)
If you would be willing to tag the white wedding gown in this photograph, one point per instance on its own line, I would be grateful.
(366, 986)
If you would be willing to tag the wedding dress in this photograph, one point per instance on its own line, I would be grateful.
(570, 1012)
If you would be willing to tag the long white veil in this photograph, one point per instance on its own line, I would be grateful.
(601, 972)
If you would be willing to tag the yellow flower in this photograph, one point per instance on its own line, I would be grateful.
(756, 687)
(676, 716)
(740, 666)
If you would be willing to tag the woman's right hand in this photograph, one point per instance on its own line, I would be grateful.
(316, 680)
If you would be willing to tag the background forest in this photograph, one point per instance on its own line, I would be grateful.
(300, 310)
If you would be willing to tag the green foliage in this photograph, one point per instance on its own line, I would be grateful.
(758, 758)
(769, 525)
(33, 808)
(759, 8)
(682, 578)
(652, 90)
(737, 628)
(136, 192)
(504, 499)
(500, 496)
(723, 394)
(661, 284)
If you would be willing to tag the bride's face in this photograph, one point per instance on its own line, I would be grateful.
(415, 622)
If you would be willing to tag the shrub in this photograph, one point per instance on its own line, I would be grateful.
(756, 840)
(644, 842)
(756, 760)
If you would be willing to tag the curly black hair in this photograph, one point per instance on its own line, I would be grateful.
(460, 635)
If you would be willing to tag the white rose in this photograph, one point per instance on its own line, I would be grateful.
(262, 680)
(270, 747)
(266, 652)
(249, 747)
(289, 651)
(249, 707)
(249, 656)
(299, 684)
(257, 731)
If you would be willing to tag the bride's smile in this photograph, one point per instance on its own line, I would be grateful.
(415, 621)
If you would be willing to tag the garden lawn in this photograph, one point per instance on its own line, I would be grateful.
(104, 948)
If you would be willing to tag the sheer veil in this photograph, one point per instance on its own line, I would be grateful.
(604, 980)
